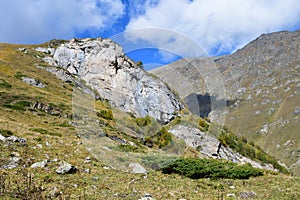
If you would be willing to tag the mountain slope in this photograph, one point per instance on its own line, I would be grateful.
(262, 88)
(39, 127)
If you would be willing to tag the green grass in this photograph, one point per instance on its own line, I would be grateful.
(6, 133)
(45, 132)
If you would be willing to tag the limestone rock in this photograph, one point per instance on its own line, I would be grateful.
(2, 138)
(136, 168)
(41, 164)
(211, 147)
(104, 67)
(66, 168)
(33, 82)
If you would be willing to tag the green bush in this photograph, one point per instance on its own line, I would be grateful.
(143, 121)
(203, 125)
(20, 105)
(249, 150)
(163, 138)
(4, 84)
(106, 114)
(19, 75)
(45, 132)
(6, 133)
(208, 168)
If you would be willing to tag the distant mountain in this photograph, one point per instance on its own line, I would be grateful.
(262, 83)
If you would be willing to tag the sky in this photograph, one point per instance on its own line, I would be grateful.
(165, 29)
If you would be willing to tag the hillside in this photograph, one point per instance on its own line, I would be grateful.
(63, 138)
(261, 81)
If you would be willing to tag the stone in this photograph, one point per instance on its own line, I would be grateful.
(230, 195)
(247, 194)
(136, 168)
(2, 138)
(41, 164)
(48, 144)
(87, 160)
(66, 168)
(95, 178)
(33, 82)
(13, 163)
(296, 111)
(16, 139)
(147, 196)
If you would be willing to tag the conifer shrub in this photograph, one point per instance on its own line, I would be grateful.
(196, 168)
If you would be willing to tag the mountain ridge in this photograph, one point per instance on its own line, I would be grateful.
(262, 88)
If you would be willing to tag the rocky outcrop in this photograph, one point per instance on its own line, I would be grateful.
(104, 67)
(210, 147)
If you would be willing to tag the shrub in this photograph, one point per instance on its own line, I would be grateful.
(143, 121)
(4, 84)
(20, 105)
(106, 114)
(163, 138)
(6, 133)
(249, 150)
(203, 125)
(45, 132)
(208, 168)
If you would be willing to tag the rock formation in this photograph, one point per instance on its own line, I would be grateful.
(103, 66)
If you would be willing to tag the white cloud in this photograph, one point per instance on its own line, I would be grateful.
(218, 25)
(38, 21)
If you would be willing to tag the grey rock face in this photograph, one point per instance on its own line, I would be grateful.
(103, 66)
(210, 146)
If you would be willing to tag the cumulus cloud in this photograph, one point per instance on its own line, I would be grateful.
(219, 26)
(33, 21)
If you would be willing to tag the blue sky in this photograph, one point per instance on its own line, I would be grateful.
(215, 26)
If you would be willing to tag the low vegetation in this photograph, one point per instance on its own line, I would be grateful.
(250, 150)
(196, 168)
(105, 114)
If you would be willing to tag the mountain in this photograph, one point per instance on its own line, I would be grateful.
(262, 87)
(76, 116)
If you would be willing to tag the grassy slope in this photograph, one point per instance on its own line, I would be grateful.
(284, 125)
(106, 184)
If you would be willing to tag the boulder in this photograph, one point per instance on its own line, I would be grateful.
(33, 82)
(66, 168)
(41, 164)
(136, 168)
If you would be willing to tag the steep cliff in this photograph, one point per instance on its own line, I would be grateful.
(104, 67)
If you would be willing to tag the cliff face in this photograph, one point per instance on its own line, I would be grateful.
(104, 67)
(262, 91)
